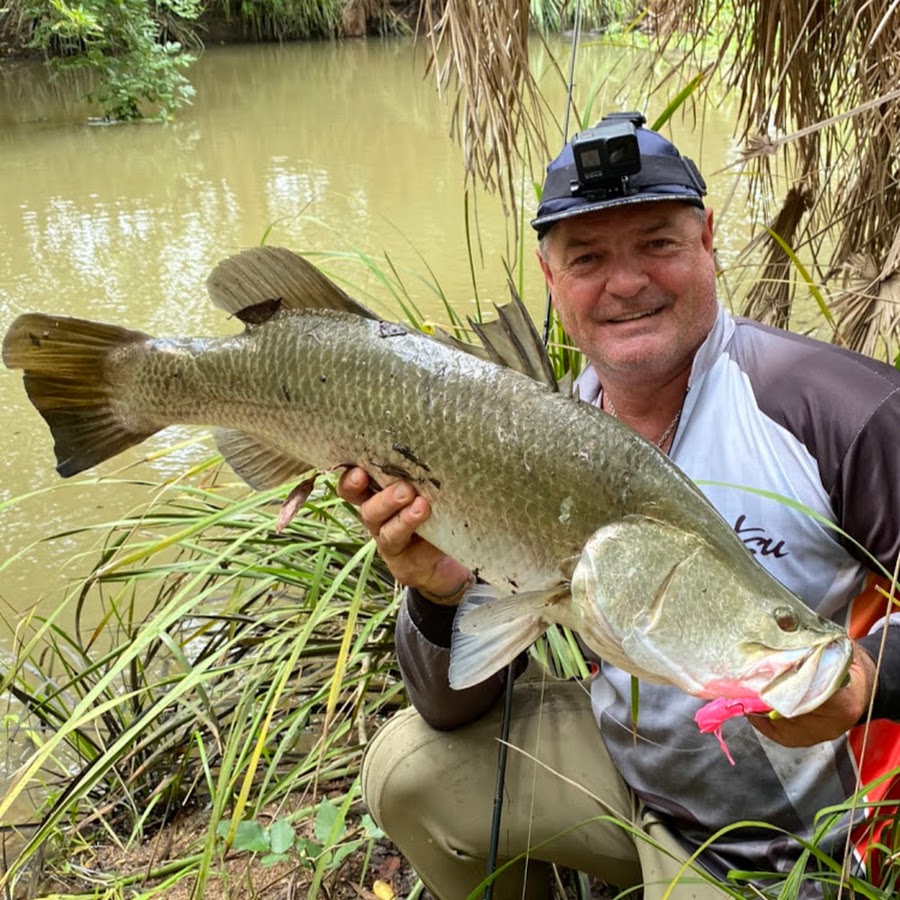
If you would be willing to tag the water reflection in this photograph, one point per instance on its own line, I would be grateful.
(281, 131)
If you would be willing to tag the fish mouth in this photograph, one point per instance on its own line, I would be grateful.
(810, 678)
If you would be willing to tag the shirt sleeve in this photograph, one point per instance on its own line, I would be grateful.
(866, 491)
(423, 633)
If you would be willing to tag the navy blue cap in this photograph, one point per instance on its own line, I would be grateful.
(664, 175)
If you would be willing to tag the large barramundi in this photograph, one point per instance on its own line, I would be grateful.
(569, 515)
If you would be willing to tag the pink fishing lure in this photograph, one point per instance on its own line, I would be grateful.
(709, 718)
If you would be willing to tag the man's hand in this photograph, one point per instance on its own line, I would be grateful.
(392, 517)
(836, 716)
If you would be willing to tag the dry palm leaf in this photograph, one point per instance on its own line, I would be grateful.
(823, 73)
(868, 310)
(482, 50)
(769, 300)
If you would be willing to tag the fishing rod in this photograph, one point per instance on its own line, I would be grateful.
(576, 33)
(497, 811)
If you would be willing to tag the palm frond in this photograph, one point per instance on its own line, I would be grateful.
(819, 110)
(769, 299)
(480, 50)
(868, 309)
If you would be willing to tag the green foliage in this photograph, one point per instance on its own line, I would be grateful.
(559, 15)
(135, 49)
(205, 663)
(333, 838)
(283, 20)
(119, 41)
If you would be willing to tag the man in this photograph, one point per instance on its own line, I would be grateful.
(628, 258)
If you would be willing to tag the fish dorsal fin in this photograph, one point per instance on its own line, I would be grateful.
(256, 283)
(260, 464)
(512, 340)
(275, 278)
(444, 337)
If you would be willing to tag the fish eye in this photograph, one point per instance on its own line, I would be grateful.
(786, 619)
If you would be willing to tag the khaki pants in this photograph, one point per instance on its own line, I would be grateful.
(432, 793)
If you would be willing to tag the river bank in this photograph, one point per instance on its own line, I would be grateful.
(375, 871)
(218, 27)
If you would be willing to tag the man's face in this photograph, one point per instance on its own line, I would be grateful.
(634, 286)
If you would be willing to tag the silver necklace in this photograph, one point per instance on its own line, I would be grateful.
(664, 436)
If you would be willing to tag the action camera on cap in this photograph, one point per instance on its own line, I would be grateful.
(608, 153)
(618, 162)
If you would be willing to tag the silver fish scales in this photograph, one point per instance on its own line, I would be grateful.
(541, 495)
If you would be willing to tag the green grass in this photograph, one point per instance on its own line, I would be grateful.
(284, 20)
(211, 662)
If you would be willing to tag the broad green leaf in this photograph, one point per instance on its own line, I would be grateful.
(326, 819)
(281, 836)
(250, 837)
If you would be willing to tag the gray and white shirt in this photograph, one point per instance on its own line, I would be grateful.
(769, 413)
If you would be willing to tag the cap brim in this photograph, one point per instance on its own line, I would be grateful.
(542, 223)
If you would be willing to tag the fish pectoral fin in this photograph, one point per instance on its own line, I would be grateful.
(278, 277)
(260, 464)
(491, 629)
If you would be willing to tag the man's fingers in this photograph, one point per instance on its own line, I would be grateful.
(393, 516)
(397, 531)
(354, 486)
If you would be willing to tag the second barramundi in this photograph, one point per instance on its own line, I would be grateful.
(570, 515)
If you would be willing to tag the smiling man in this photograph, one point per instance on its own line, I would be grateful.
(635, 292)
(626, 247)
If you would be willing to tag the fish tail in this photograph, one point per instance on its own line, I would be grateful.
(68, 378)
(491, 629)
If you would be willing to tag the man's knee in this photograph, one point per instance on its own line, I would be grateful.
(391, 775)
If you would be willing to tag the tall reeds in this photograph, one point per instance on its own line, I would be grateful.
(210, 663)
